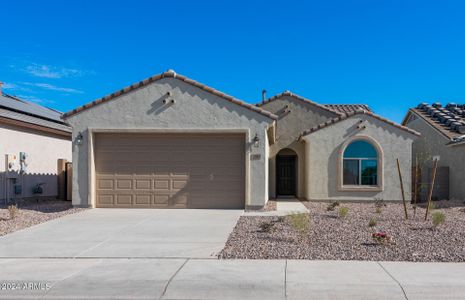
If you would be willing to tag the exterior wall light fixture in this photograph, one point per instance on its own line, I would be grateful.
(256, 141)
(79, 139)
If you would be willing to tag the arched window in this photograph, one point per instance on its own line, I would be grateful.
(360, 164)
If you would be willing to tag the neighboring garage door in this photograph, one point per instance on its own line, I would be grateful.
(170, 170)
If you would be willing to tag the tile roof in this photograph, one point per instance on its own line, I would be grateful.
(171, 74)
(346, 108)
(290, 94)
(353, 113)
(448, 120)
(21, 112)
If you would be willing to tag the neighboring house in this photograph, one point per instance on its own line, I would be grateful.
(169, 141)
(32, 139)
(443, 137)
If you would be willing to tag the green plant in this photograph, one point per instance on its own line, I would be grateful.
(438, 218)
(332, 206)
(13, 210)
(378, 210)
(343, 211)
(372, 222)
(300, 222)
(266, 226)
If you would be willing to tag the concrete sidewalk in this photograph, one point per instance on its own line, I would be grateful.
(143, 278)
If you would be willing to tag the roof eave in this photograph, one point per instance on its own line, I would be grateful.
(351, 114)
(169, 74)
(39, 128)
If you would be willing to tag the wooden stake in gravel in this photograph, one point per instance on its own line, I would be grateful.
(430, 194)
(402, 189)
(415, 187)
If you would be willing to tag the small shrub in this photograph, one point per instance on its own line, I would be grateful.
(343, 211)
(300, 222)
(438, 218)
(379, 203)
(372, 222)
(332, 206)
(378, 210)
(381, 238)
(13, 210)
(266, 226)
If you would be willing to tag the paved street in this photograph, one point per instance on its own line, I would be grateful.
(91, 278)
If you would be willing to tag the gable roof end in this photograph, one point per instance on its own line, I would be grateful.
(170, 74)
(305, 100)
(353, 113)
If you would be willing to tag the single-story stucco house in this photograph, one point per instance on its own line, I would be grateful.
(443, 138)
(32, 140)
(169, 141)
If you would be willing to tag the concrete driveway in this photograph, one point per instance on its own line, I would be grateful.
(125, 233)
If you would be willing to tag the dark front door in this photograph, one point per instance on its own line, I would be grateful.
(286, 175)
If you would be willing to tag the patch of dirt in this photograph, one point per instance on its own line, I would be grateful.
(32, 212)
(270, 206)
(333, 238)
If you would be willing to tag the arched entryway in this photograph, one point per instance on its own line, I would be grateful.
(286, 173)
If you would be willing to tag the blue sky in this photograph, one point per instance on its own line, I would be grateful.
(390, 55)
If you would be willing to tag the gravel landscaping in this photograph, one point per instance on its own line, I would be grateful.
(31, 212)
(331, 237)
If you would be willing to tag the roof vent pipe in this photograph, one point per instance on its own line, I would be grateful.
(263, 96)
(1, 85)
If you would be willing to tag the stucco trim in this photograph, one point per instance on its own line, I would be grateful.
(170, 74)
(91, 161)
(271, 133)
(344, 188)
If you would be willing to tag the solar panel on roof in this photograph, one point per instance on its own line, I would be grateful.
(30, 108)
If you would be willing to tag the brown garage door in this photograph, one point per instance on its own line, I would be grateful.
(170, 171)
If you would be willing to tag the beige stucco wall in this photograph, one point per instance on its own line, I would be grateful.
(434, 144)
(195, 110)
(323, 149)
(289, 127)
(43, 151)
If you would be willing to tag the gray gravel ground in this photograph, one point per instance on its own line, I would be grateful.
(349, 238)
(32, 212)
